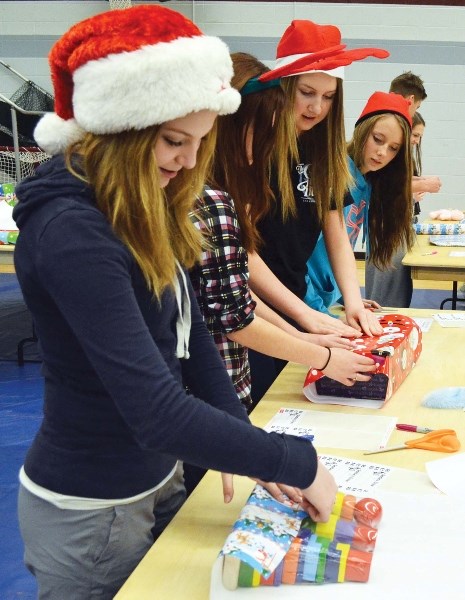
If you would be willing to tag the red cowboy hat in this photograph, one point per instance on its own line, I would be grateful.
(306, 46)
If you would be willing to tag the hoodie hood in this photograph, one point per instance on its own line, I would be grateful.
(40, 191)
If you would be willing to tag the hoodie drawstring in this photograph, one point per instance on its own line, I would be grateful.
(183, 321)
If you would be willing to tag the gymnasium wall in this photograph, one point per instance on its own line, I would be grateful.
(426, 39)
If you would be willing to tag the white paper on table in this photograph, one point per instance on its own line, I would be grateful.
(457, 253)
(447, 319)
(418, 554)
(424, 323)
(448, 474)
(363, 478)
(334, 430)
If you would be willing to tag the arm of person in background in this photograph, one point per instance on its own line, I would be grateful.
(426, 184)
(264, 337)
(344, 267)
(329, 340)
(269, 288)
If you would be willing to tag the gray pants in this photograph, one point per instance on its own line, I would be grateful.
(89, 554)
(391, 287)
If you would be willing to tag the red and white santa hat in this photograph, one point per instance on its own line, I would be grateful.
(309, 47)
(131, 69)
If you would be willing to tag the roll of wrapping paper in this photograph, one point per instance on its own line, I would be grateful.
(440, 228)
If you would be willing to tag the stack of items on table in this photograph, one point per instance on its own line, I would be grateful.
(274, 543)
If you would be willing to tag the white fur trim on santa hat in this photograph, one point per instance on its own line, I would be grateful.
(49, 126)
(145, 87)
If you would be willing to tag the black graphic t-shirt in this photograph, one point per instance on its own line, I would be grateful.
(288, 245)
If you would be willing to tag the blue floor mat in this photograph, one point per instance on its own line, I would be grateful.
(433, 299)
(20, 417)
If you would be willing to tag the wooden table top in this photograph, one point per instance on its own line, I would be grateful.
(179, 564)
(430, 262)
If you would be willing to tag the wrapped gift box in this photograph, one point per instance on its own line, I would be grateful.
(397, 350)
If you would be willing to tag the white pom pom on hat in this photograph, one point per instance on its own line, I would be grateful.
(131, 69)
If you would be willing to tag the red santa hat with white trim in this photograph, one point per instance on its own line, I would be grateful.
(131, 69)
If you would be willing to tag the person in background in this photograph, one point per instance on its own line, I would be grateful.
(381, 166)
(411, 87)
(421, 185)
(418, 130)
(392, 285)
(101, 258)
(309, 61)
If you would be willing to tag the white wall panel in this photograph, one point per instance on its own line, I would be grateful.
(429, 40)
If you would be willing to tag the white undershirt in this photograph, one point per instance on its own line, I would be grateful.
(79, 503)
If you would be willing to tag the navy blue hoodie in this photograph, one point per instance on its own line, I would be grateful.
(116, 411)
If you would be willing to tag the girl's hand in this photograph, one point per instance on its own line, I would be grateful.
(321, 323)
(371, 304)
(320, 496)
(349, 367)
(329, 340)
(277, 490)
(364, 320)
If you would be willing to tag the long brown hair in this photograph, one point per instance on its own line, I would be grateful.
(152, 222)
(324, 148)
(417, 119)
(247, 178)
(390, 212)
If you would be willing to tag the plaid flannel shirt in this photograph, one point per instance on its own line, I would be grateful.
(221, 284)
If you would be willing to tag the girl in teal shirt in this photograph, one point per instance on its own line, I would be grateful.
(379, 157)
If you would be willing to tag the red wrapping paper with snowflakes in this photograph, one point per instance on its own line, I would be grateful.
(396, 350)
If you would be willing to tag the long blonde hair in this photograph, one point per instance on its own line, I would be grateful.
(152, 222)
(324, 148)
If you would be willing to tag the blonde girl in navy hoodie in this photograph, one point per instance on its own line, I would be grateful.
(105, 238)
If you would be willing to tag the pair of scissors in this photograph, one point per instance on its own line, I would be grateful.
(440, 440)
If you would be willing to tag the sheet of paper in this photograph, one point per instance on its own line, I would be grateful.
(448, 319)
(448, 474)
(424, 323)
(366, 478)
(457, 253)
(334, 430)
(418, 554)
